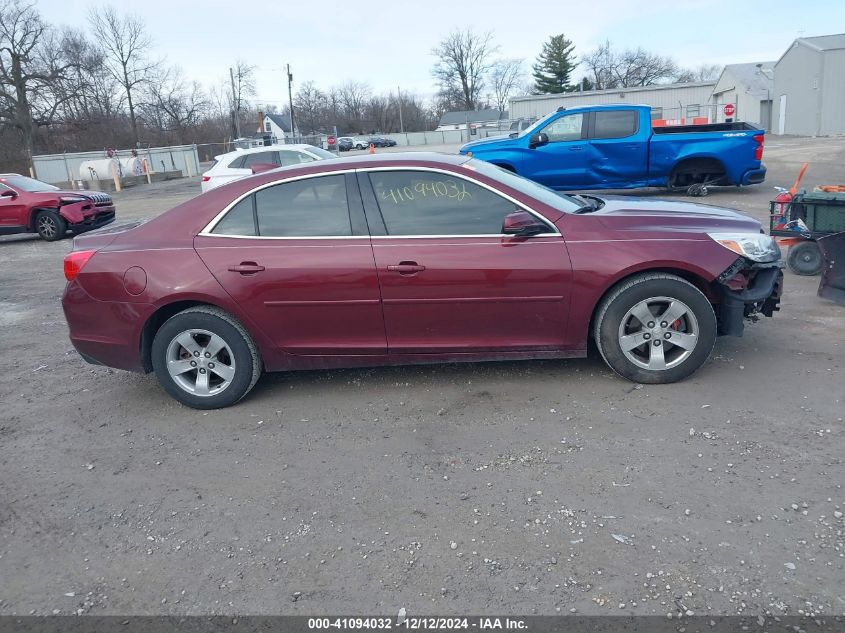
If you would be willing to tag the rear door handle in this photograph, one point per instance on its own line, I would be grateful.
(246, 268)
(406, 268)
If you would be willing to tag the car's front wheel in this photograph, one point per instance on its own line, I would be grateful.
(50, 225)
(205, 358)
(655, 328)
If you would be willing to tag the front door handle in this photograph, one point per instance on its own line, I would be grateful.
(406, 268)
(246, 268)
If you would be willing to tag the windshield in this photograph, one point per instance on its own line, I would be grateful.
(26, 184)
(558, 201)
(320, 152)
(537, 124)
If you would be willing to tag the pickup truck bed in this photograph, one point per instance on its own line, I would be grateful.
(615, 147)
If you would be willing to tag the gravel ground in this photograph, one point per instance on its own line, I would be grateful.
(533, 487)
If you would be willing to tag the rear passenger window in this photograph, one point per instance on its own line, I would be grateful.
(615, 124)
(239, 220)
(311, 207)
(260, 158)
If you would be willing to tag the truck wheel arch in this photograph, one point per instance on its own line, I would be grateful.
(696, 170)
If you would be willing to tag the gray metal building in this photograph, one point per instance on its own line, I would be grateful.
(809, 87)
(669, 101)
(749, 87)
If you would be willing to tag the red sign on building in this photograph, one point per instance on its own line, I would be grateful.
(729, 109)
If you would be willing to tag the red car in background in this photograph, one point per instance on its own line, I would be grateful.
(31, 206)
(411, 258)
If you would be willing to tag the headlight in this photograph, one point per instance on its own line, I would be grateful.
(755, 246)
(71, 199)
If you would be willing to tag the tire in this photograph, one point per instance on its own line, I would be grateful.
(692, 321)
(805, 258)
(50, 225)
(195, 330)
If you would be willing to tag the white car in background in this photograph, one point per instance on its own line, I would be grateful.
(238, 164)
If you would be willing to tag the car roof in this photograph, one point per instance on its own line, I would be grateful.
(266, 148)
(384, 158)
(9, 174)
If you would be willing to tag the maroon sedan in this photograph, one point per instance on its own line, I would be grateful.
(411, 258)
(31, 206)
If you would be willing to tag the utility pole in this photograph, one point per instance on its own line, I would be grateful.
(399, 101)
(290, 100)
(236, 107)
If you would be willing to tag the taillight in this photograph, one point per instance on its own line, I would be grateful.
(758, 151)
(206, 178)
(74, 262)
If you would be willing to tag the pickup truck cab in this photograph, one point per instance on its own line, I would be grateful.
(615, 147)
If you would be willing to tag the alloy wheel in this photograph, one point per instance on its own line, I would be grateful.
(658, 333)
(47, 226)
(200, 362)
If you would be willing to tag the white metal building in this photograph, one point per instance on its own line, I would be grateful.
(809, 87)
(749, 87)
(668, 101)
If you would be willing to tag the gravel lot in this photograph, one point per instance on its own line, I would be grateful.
(533, 487)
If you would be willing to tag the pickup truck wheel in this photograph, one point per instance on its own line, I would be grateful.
(655, 328)
(50, 225)
(805, 258)
(205, 359)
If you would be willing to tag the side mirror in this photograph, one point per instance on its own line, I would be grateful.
(8, 193)
(257, 168)
(522, 224)
(538, 138)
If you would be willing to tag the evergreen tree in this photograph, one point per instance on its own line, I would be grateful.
(554, 66)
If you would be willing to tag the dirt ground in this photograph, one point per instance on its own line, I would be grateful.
(524, 488)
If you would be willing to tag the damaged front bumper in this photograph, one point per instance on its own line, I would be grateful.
(746, 290)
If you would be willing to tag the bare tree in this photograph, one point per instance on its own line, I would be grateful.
(353, 96)
(310, 105)
(505, 76)
(623, 69)
(242, 80)
(175, 104)
(463, 61)
(28, 67)
(704, 72)
(125, 42)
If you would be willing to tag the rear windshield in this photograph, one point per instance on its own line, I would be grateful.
(24, 183)
(320, 152)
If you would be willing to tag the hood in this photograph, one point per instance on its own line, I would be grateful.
(94, 196)
(494, 142)
(622, 212)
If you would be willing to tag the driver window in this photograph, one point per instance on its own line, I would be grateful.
(433, 203)
(566, 128)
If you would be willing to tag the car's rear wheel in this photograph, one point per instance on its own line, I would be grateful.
(50, 225)
(205, 359)
(655, 328)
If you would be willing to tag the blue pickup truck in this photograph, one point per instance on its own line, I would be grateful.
(615, 147)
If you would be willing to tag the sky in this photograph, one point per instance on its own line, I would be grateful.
(387, 43)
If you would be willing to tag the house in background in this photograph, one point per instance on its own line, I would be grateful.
(750, 88)
(476, 118)
(278, 127)
(809, 87)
